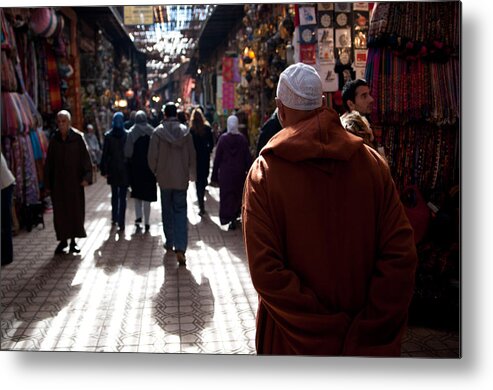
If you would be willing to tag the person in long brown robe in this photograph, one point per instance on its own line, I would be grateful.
(330, 249)
(68, 170)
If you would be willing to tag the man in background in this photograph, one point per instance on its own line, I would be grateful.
(68, 169)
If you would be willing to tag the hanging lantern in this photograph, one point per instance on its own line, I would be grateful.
(129, 94)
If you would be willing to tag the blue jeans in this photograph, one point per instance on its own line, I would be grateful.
(118, 204)
(174, 216)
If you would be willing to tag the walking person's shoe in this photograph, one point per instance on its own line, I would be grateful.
(180, 256)
(169, 251)
(147, 228)
(138, 221)
(60, 248)
(202, 212)
(232, 225)
(74, 247)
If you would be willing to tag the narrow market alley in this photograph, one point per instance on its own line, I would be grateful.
(123, 294)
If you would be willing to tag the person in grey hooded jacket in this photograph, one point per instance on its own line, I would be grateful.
(171, 158)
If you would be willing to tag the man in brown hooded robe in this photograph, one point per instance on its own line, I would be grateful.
(329, 246)
(68, 170)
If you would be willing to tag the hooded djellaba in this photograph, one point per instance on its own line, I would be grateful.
(231, 164)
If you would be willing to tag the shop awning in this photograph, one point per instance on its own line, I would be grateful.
(223, 19)
(108, 18)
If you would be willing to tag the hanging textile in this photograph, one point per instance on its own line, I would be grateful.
(30, 174)
(55, 95)
(413, 70)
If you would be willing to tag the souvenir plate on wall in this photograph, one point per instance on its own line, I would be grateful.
(344, 57)
(308, 54)
(307, 16)
(342, 7)
(343, 37)
(325, 19)
(325, 6)
(308, 34)
(360, 7)
(342, 19)
(326, 45)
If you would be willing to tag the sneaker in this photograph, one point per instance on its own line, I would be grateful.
(60, 248)
(180, 256)
(147, 228)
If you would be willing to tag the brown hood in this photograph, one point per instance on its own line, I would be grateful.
(318, 138)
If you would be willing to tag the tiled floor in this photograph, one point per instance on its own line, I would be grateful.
(122, 294)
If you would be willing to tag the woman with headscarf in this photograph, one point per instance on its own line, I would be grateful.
(142, 180)
(204, 143)
(114, 169)
(231, 164)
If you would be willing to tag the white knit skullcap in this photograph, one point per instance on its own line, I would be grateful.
(300, 87)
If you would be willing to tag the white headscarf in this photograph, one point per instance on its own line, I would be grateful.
(232, 124)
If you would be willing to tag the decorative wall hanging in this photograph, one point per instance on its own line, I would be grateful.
(360, 57)
(342, 7)
(341, 19)
(330, 80)
(308, 54)
(360, 6)
(307, 16)
(325, 6)
(325, 19)
(343, 37)
(228, 100)
(326, 45)
(228, 69)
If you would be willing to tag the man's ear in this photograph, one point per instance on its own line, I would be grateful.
(351, 105)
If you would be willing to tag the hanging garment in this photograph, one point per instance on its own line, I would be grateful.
(30, 175)
(53, 82)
